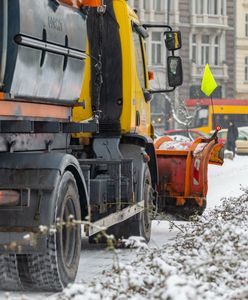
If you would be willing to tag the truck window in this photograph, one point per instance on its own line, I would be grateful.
(140, 66)
(201, 118)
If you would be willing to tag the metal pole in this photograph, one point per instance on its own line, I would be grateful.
(166, 126)
(168, 12)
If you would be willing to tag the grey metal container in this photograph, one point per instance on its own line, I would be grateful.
(42, 51)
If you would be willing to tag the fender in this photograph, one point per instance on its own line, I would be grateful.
(40, 174)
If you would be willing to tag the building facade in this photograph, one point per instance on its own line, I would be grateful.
(208, 30)
(242, 49)
(208, 36)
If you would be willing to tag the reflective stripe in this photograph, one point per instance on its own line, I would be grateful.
(196, 174)
(116, 218)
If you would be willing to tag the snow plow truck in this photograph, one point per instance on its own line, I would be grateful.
(76, 137)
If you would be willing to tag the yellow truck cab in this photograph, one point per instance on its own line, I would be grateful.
(135, 110)
(126, 91)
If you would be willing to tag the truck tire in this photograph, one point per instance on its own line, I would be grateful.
(55, 269)
(9, 275)
(142, 224)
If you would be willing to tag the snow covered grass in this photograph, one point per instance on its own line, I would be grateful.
(207, 260)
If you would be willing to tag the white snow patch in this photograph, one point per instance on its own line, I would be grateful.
(208, 260)
(135, 242)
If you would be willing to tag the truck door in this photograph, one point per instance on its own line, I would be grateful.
(141, 85)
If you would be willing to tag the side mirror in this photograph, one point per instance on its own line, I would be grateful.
(175, 71)
(173, 40)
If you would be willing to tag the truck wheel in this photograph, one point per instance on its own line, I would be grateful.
(139, 225)
(58, 267)
(144, 222)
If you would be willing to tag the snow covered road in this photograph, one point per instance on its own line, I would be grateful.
(223, 182)
(228, 180)
(95, 258)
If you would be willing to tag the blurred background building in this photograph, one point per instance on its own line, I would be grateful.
(241, 49)
(208, 35)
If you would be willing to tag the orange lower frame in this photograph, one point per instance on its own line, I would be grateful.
(11, 108)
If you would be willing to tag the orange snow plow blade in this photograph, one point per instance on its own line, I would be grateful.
(183, 174)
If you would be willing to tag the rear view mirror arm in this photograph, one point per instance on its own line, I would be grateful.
(162, 91)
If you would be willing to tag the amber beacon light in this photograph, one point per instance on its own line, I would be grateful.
(79, 3)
